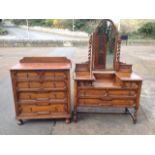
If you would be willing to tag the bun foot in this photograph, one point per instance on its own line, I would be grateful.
(20, 122)
(68, 121)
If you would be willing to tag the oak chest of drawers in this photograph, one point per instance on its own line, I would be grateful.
(41, 88)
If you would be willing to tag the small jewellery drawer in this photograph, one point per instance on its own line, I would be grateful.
(48, 109)
(130, 84)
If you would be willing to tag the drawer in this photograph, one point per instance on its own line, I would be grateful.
(41, 95)
(130, 84)
(22, 84)
(122, 92)
(43, 109)
(86, 92)
(48, 84)
(106, 92)
(41, 75)
(55, 74)
(105, 102)
(27, 74)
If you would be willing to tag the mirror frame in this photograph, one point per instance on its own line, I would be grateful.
(92, 51)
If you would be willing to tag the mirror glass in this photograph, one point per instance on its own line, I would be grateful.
(106, 45)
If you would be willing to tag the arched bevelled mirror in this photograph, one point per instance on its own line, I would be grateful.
(104, 45)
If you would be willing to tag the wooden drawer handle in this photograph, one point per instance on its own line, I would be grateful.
(43, 112)
(105, 95)
(42, 99)
(106, 99)
(42, 104)
(105, 104)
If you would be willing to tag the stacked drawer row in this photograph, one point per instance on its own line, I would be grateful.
(41, 92)
(125, 96)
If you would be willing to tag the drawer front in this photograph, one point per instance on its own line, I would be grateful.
(122, 93)
(45, 84)
(96, 93)
(48, 109)
(42, 97)
(107, 97)
(108, 102)
(41, 75)
(91, 92)
(36, 95)
(130, 84)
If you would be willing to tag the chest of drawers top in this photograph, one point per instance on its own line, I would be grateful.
(43, 63)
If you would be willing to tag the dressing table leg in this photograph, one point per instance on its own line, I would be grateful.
(126, 110)
(75, 102)
(75, 117)
(135, 116)
(132, 114)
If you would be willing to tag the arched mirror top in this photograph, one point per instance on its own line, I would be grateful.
(104, 46)
(106, 26)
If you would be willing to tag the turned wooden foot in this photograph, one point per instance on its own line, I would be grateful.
(20, 122)
(68, 120)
